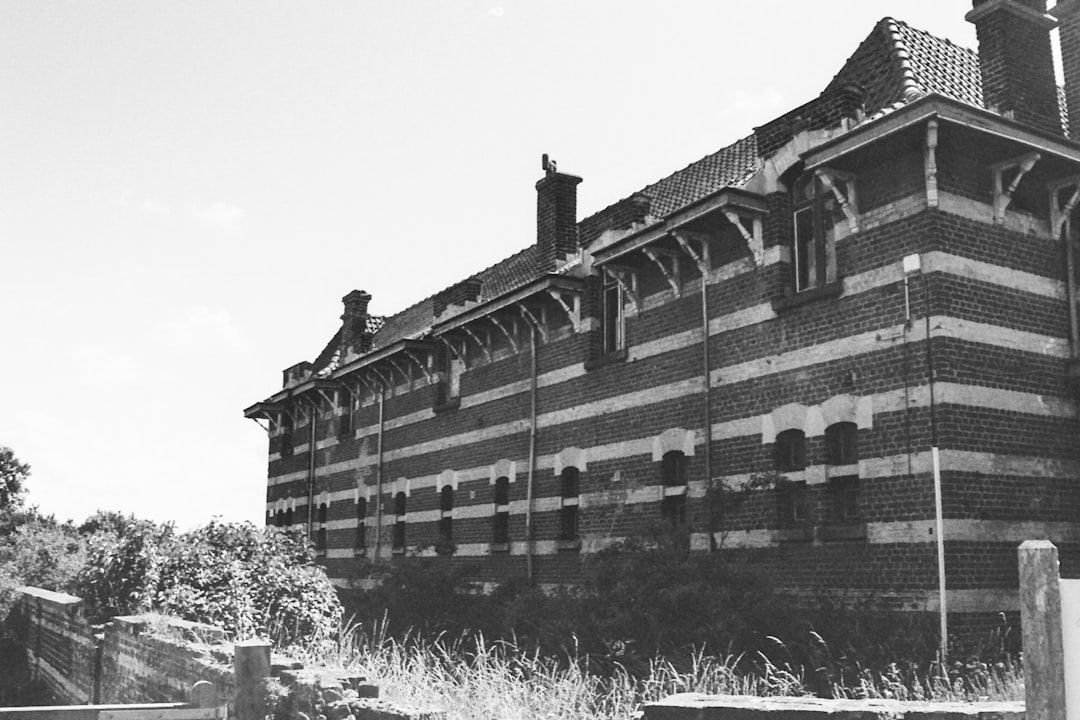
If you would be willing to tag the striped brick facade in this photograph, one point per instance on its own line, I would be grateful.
(507, 430)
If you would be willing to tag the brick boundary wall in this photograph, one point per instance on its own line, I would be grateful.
(157, 659)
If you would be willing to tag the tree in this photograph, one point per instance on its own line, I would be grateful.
(13, 475)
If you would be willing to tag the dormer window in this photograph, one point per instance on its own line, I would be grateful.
(819, 203)
(614, 319)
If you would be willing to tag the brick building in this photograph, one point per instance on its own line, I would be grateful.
(874, 286)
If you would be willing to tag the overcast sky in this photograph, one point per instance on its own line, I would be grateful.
(188, 188)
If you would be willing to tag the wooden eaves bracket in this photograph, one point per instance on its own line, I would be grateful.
(424, 368)
(533, 320)
(754, 236)
(1059, 214)
(842, 186)
(1002, 195)
(699, 256)
(479, 343)
(672, 275)
(505, 331)
(572, 309)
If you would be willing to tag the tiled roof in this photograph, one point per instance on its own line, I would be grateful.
(895, 64)
(731, 166)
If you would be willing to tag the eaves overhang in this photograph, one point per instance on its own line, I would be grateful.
(541, 284)
(726, 198)
(294, 392)
(263, 410)
(405, 345)
(947, 109)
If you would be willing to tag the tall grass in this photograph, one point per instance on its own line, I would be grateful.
(470, 677)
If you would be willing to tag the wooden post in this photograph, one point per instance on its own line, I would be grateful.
(1040, 617)
(251, 667)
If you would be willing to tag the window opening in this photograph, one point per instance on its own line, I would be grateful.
(501, 528)
(568, 513)
(614, 319)
(815, 214)
(673, 474)
(791, 451)
(361, 524)
(841, 443)
(320, 534)
(398, 539)
(845, 492)
(446, 519)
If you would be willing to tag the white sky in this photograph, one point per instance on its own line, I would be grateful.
(188, 188)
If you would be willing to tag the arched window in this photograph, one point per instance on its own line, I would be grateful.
(279, 518)
(501, 525)
(398, 539)
(288, 517)
(568, 513)
(361, 523)
(446, 520)
(673, 475)
(841, 443)
(791, 451)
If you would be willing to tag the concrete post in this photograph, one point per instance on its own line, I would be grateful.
(1040, 616)
(251, 666)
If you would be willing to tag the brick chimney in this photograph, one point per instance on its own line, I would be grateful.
(354, 321)
(1016, 62)
(556, 216)
(1068, 13)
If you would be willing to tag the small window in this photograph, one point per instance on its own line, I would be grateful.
(279, 518)
(568, 513)
(285, 446)
(845, 492)
(791, 451)
(501, 525)
(361, 524)
(841, 443)
(673, 475)
(345, 413)
(455, 366)
(815, 214)
(289, 517)
(446, 520)
(613, 319)
(398, 538)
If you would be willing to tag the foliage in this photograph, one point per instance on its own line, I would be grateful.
(37, 550)
(13, 476)
(250, 581)
(121, 572)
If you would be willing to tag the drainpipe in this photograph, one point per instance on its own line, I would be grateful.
(936, 461)
(379, 476)
(311, 470)
(708, 381)
(1070, 290)
(532, 455)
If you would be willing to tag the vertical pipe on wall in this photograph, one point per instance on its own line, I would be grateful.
(379, 476)
(943, 613)
(708, 381)
(311, 470)
(532, 455)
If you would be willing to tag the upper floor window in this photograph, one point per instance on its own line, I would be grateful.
(613, 320)
(815, 214)
(673, 475)
(286, 442)
(568, 512)
(841, 443)
(345, 412)
(320, 533)
(791, 451)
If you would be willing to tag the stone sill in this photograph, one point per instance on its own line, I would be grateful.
(569, 545)
(844, 531)
(499, 548)
(611, 358)
(829, 290)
